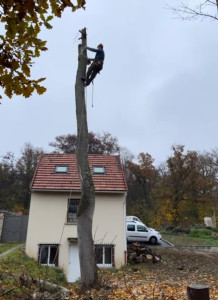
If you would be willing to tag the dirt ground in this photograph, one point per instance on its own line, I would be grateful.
(164, 280)
(185, 264)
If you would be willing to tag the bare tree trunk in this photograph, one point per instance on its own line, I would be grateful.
(87, 203)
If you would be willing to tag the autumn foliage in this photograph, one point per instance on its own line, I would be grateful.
(180, 191)
(20, 43)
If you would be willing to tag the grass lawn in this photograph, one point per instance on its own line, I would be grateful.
(17, 264)
(188, 240)
(6, 246)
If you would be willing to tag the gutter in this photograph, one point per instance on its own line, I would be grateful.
(77, 191)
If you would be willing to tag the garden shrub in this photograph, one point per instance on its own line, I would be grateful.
(200, 233)
(181, 230)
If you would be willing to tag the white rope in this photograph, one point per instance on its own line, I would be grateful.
(92, 93)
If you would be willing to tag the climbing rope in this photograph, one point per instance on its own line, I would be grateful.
(86, 96)
(92, 93)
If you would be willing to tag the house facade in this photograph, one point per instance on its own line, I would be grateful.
(55, 196)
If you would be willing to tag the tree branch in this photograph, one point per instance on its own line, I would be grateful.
(186, 12)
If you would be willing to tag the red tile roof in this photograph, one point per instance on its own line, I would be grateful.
(45, 177)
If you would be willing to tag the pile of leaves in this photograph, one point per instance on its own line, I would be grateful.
(157, 281)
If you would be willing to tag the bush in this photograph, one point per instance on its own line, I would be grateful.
(200, 233)
(214, 229)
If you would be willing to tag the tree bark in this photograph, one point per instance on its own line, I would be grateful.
(88, 267)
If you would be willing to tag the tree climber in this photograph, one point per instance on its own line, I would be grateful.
(96, 66)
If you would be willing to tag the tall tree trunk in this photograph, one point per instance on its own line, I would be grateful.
(87, 203)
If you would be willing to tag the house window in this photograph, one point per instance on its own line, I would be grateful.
(61, 169)
(104, 255)
(98, 169)
(131, 227)
(73, 205)
(48, 254)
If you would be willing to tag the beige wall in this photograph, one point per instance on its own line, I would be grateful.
(1, 223)
(47, 224)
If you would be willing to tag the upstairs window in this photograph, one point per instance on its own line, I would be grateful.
(98, 169)
(61, 169)
(73, 205)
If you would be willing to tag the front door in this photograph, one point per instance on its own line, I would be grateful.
(74, 267)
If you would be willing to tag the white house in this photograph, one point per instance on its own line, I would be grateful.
(55, 196)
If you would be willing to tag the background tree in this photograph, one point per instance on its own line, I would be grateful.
(16, 177)
(180, 166)
(20, 43)
(151, 189)
(7, 182)
(25, 168)
(141, 180)
(205, 9)
(98, 143)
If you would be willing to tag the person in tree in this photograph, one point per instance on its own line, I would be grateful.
(97, 64)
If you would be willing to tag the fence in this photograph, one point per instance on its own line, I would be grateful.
(14, 228)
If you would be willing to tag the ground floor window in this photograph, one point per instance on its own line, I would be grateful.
(104, 255)
(48, 254)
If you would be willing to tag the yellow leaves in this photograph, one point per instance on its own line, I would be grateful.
(31, 30)
(11, 27)
(48, 25)
(6, 78)
(157, 281)
(40, 89)
(27, 91)
(20, 42)
(26, 70)
(81, 3)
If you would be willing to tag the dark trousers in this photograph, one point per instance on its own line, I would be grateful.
(93, 69)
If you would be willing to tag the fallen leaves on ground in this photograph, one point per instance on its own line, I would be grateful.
(165, 280)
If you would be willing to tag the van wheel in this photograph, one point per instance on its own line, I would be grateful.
(153, 240)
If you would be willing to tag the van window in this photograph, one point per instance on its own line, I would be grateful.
(131, 227)
(141, 228)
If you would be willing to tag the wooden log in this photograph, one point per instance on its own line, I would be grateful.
(198, 292)
(132, 256)
(139, 259)
(149, 256)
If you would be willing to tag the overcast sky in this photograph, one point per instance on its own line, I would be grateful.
(158, 86)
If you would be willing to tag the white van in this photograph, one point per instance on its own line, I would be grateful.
(133, 218)
(136, 231)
